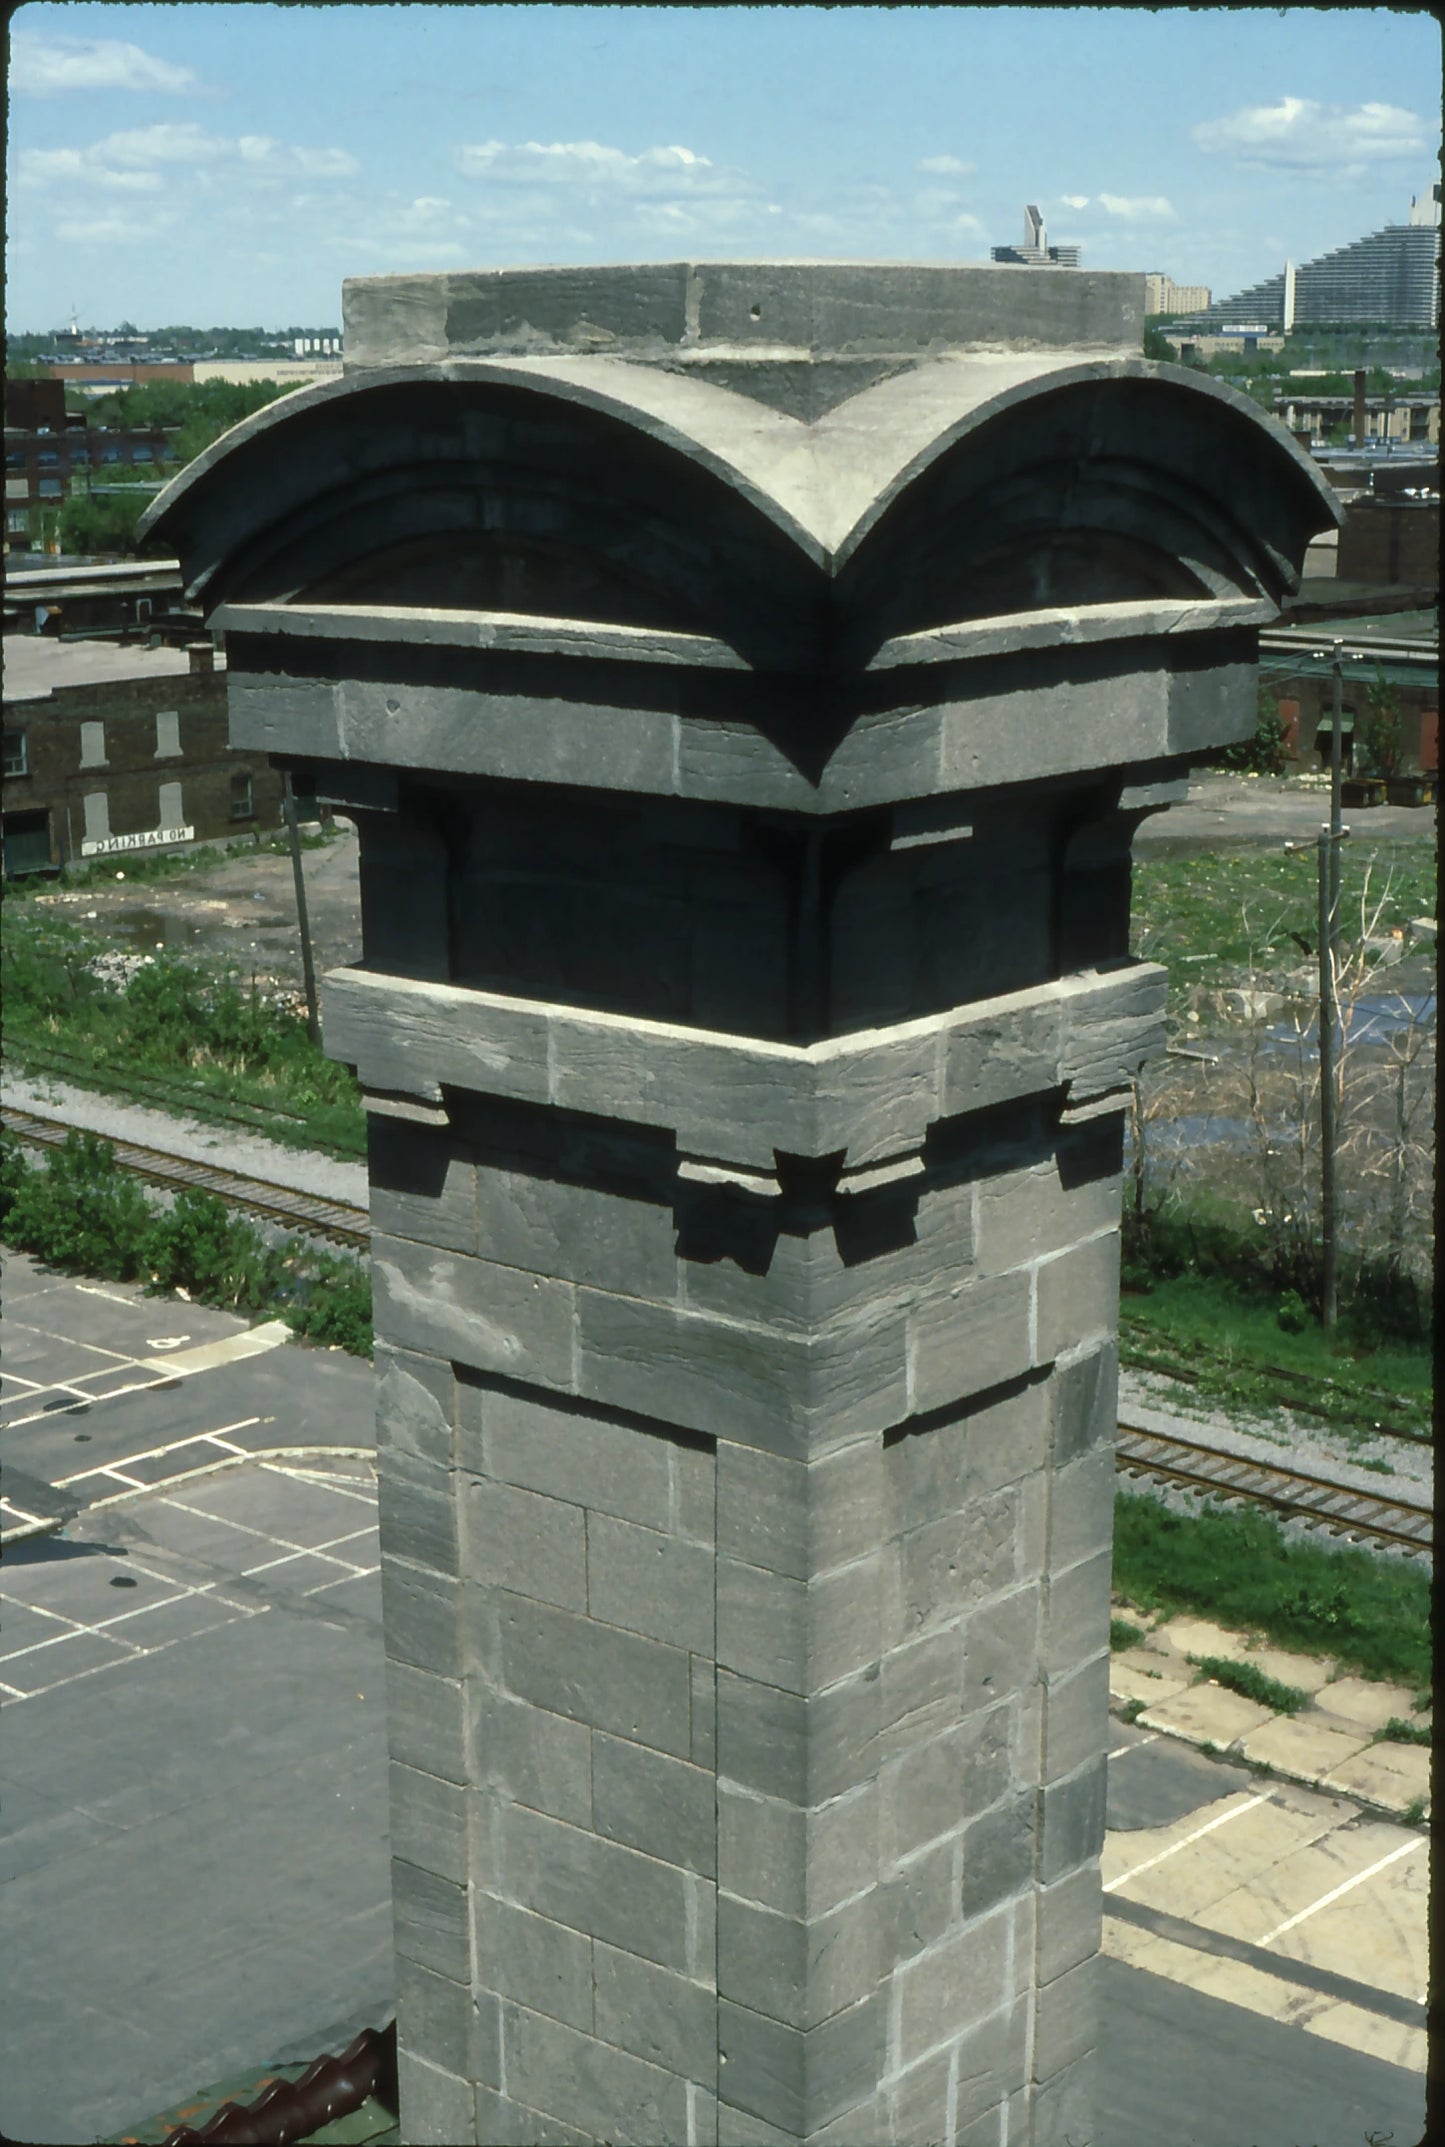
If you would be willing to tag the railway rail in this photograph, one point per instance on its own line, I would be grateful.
(1340, 1508)
(333, 1220)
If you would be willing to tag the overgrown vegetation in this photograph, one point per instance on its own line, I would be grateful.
(1264, 753)
(82, 1213)
(197, 1038)
(1398, 1731)
(1371, 1615)
(1124, 1635)
(1251, 1683)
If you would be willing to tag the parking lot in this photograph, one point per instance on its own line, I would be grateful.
(194, 1779)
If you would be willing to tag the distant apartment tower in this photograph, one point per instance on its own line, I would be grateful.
(1163, 295)
(1390, 279)
(1036, 252)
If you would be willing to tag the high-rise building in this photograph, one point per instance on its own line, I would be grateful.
(1163, 295)
(1390, 279)
(1036, 252)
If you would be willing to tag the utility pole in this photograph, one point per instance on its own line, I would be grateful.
(288, 806)
(1330, 839)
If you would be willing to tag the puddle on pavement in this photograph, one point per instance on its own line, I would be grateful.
(146, 929)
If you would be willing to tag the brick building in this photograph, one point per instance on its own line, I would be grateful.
(49, 452)
(110, 749)
(1391, 539)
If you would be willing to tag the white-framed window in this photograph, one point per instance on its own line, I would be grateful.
(17, 759)
(168, 733)
(51, 488)
(97, 815)
(172, 811)
(243, 804)
(92, 745)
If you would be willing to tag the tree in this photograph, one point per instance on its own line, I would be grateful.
(1157, 344)
(93, 522)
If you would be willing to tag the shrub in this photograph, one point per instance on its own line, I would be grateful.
(80, 1212)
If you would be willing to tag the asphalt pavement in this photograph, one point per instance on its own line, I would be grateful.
(193, 1771)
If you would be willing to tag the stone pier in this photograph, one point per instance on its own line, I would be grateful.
(747, 680)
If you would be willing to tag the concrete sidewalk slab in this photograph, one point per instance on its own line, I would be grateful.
(1207, 1714)
(1302, 1747)
(1394, 1776)
(1371, 1705)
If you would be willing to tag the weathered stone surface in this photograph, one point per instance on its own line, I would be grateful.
(744, 687)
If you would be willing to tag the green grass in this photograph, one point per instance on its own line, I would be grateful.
(1251, 1683)
(1223, 1334)
(1372, 1615)
(1212, 919)
(82, 1214)
(1124, 1635)
(184, 1036)
(1399, 1731)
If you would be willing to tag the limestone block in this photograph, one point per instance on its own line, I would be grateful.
(998, 1853)
(800, 1862)
(413, 1425)
(1071, 1819)
(590, 2083)
(429, 1823)
(437, 2106)
(921, 1682)
(801, 1635)
(1078, 1296)
(801, 1750)
(1081, 1509)
(475, 1312)
(511, 2124)
(1076, 1625)
(1084, 1397)
(1069, 1913)
(543, 1965)
(1001, 1644)
(530, 1754)
(430, 1918)
(1063, 2107)
(597, 1887)
(578, 1233)
(963, 1977)
(1025, 1214)
(524, 1542)
(796, 1519)
(975, 1338)
(665, 2019)
(916, 2099)
(798, 1972)
(650, 1582)
(1066, 2019)
(421, 1616)
(425, 1715)
(634, 1687)
(798, 2078)
(651, 1802)
(421, 1186)
(918, 1900)
(959, 1560)
(990, 2062)
(568, 1452)
(1076, 1709)
(415, 1523)
(703, 1680)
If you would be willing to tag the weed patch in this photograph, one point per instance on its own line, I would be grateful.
(1251, 1683)
(1370, 1614)
(1124, 1635)
(81, 1213)
(1399, 1731)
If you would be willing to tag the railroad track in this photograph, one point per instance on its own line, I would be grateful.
(304, 1213)
(1340, 1508)
(1345, 1405)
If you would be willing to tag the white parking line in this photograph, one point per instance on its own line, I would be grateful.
(359, 1573)
(1336, 1891)
(1120, 1750)
(311, 1550)
(1220, 1819)
(154, 1453)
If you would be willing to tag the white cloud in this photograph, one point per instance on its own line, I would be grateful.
(1074, 201)
(109, 231)
(1298, 134)
(134, 160)
(50, 66)
(596, 168)
(945, 167)
(1138, 208)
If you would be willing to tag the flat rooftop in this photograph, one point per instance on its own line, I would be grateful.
(37, 666)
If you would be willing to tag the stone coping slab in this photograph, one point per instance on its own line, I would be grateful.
(871, 1095)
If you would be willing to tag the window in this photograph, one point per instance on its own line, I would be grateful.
(142, 452)
(16, 759)
(17, 521)
(48, 458)
(15, 459)
(168, 733)
(51, 488)
(97, 815)
(80, 458)
(92, 745)
(172, 812)
(242, 804)
(111, 454)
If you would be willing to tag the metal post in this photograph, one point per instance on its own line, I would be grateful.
(288, 807)
(1330, 838)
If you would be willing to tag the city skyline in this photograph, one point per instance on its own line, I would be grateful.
(236, 162)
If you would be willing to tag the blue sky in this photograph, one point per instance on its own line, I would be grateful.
(218, 163)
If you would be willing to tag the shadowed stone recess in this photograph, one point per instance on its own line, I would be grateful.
(747, 680)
